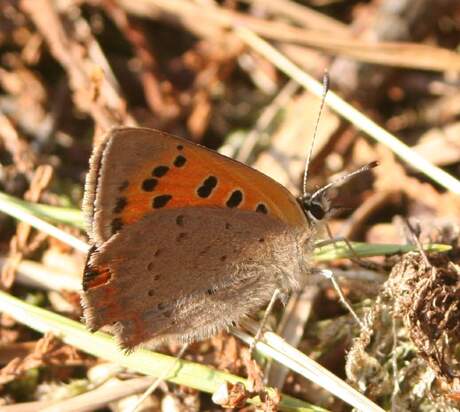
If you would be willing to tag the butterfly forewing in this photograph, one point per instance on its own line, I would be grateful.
(136, 172)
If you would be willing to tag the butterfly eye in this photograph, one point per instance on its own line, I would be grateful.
(316, 210)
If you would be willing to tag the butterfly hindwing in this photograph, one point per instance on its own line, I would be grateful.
(185, 273)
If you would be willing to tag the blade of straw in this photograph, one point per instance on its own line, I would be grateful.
(14, 209)
(303, 365)
(349, 112)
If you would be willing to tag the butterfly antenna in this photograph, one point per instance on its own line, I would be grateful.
(341, 180)
(315, 132)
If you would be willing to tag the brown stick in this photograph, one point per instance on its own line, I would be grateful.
(92, 91)
(396, 54)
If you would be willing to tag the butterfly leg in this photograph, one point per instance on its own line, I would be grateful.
(161, 378)
(263, 322)
(330, 275)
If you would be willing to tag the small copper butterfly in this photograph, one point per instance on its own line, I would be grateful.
(185, 241)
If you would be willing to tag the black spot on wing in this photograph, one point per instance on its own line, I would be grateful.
(180, 161)
(161, 201)
(148, 185)
(261, 208)
(160, 171)
(120, 204)
(116, 225)
(206, 188)
(89, 272)
(235, 199)
(180, 220)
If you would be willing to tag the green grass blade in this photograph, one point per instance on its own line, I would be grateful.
(340, 250)
(194, 375)
(22, 211)
(55, 214)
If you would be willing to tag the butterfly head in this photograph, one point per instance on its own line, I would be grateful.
(317, 205)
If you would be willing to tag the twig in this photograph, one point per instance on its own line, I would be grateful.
(149, 72)
(36, 275)
(291, 328)
(154, 385)
(349, 112)
(302, 364)
(387, 53)
(265, 119)
(100, 397)
(304, 16)
(98, 344)
(93, 92)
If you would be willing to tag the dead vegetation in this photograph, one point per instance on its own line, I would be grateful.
(71, 69)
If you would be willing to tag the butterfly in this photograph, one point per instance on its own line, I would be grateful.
(185, 241)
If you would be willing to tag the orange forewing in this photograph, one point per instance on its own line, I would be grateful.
(182, 183)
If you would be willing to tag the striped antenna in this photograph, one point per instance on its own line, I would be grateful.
(315, 132)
